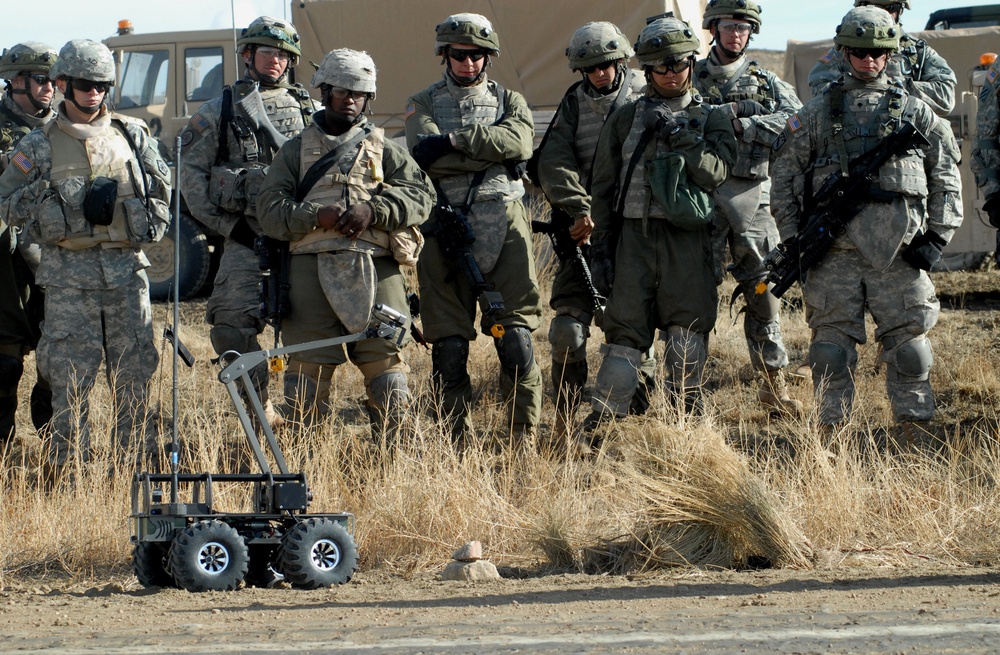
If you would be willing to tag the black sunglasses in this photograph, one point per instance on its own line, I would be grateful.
(675, 67)
(86, 86)
(603, 66)
(41, 79)
(462, 55)
(874, 53)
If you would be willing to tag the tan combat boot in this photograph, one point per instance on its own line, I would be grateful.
(773, 394)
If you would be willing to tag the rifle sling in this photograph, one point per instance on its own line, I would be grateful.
(324, 163)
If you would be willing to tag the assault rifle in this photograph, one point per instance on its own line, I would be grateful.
(567, 250)
(456, 236)
(838, 201)
(274, 261)
(251, 108)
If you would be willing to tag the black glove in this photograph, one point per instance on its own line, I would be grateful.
(748, 108)
(924, 251)
(243, 234)
(602, 269)
(432, 148)
(659, 117)
(992, 208)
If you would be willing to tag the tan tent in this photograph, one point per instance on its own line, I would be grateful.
(399, 35)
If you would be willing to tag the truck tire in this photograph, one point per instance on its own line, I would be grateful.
(196, 262)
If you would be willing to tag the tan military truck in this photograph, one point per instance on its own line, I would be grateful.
(164, 77)
(964, 48)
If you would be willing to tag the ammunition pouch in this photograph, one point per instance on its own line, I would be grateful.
(227, 189)
(146, 224)
(99, 204)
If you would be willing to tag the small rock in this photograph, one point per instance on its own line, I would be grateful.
(470, 552)
(477, 571)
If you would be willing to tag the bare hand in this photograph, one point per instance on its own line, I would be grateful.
(581, 229)
(355, 220)
(328, 215)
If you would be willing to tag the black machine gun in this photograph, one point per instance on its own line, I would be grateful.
(567, 250)
(837, 202)
(274, 261)
(456, 236)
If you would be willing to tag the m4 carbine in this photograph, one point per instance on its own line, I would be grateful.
(567, 250)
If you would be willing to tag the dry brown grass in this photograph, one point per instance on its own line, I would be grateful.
(733, 489)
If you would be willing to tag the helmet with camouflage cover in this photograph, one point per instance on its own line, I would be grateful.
(882, 3)
(271, 32)
(83, 59)
(466, 29)
(868, 27)
(747, 10)
(27, 57)
(666, 39)
(348, 69)
(596, 43)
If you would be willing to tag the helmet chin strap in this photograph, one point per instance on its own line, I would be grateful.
(729, 53)
(461, 80)
(39, 107)
(616, 83)
(69, 95)
(263, 78)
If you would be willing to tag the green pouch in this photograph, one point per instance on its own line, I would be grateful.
(688, 207)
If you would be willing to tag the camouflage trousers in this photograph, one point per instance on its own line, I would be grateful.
(747, 249)
(82, 327)
(902, 302)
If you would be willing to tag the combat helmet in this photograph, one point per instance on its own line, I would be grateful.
(882, 3)
(868, 27)
(85, 60)
(747, 10)
(596, 43)
(27, 57)
(666, 39)
(271, 32)
(466, 29)
(348, 69)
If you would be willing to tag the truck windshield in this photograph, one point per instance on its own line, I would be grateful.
(204, 78)
(144, 78)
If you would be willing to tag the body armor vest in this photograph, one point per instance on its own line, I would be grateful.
(639, 201)
(455, 107)
(350, 181)
(592, 111)
(288, 108)
(76, 162)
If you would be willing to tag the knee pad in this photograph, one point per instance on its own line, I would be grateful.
(225, 338)
(912, 359)
(763, 306)
(388, 390)
(11, 369)
(568, 337)
(515, 352)
(828, 359)
(617, 379)
(686, 350)
(449, 357)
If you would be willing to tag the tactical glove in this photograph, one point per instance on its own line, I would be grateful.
(748, 108)
(243, 234)
(602, 269)
(659, 117)
(924, 251)
(992, 208)
(432, 148)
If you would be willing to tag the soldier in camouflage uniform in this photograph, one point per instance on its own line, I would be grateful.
(26, 105)
(348, 234)
(225, 161)
(880, 262)
(458, 127)
(917, 66)
(91, 188)
(600, 53)
(986, 146)
(758, 103)
(662, 264)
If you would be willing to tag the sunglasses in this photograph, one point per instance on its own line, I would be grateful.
(874, 53)
(343, 94)
(274, 53)
(603, 66)
(676, 67)
(730, 27)
(462, 55)
(86, 86)
(40, 78)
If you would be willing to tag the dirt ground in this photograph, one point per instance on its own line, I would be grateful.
(861, 603)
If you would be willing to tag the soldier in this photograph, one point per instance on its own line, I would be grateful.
(348, 233)
(657, 161)
(986, 146)
(469, 133)
(226, 158)
(26, 105)
(758, 103)
(600, 53)
(91, 188)
(917, 66)
(914, 212)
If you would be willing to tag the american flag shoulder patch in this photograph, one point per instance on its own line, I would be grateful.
(199, 123)
(992, 75)
(828, 57)
(23, 163)
(410, 110)
(794, 124)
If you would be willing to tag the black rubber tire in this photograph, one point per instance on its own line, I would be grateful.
(318, 553)
(261, 571)
(209, 556)
(196, 262)
(149, 564)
